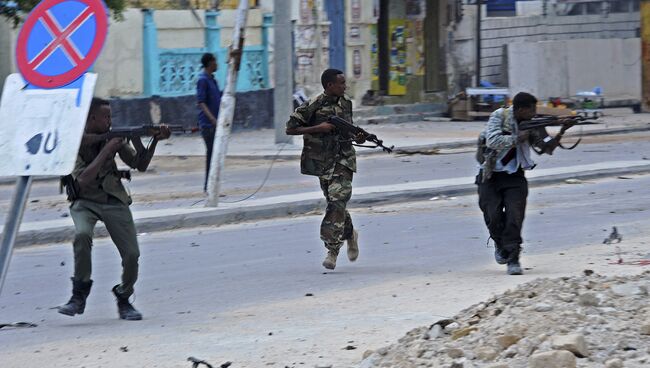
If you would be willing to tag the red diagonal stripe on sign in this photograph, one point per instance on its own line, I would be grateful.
(69, 48)
(61, 38)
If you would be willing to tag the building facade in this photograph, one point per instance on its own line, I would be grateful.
(394, 49)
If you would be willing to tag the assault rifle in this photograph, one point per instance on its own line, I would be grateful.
(351, 132)
(544, 121)
(149, 130)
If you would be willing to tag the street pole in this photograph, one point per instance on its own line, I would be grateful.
(12, 223)
(478, 42)
(283, 69)
(227, 107)
(645, 55)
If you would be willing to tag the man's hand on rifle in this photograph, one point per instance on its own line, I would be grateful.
(360, 138)
(164, 133)
(566, 124)
(114, 145)
(324, 127)
(523, 136)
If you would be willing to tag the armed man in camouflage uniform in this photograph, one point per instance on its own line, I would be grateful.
(502, 185)
(327, 155)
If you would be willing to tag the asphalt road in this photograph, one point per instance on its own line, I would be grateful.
(178, 183)
(203, 291)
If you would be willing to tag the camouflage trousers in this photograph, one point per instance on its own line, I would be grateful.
(337, 223)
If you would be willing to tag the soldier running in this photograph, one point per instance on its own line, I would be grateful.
(330, 157)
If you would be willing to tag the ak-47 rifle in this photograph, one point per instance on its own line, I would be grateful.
(544, 121)
(351, 132)
(149, 130)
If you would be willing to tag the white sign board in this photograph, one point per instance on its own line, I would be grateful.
(41, 129)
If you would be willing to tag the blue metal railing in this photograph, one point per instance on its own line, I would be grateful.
(173, 72)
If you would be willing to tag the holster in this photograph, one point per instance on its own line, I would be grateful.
(71, 187)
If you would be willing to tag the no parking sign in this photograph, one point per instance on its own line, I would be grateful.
(60, 40)
(43, 110)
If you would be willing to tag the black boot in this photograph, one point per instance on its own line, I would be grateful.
(500, 255)
(77, 303)
(514, 268)
(124, 308)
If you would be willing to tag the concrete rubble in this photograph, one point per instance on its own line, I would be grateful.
(571, 322)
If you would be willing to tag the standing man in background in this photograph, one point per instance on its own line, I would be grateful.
(208, 97)
(332, 158)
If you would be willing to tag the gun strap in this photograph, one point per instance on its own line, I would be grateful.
(572, 147)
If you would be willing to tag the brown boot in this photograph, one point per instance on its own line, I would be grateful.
(330, 260)
(353, 246)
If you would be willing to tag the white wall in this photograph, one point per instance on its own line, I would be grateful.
(8, 37)
(119, 66)
(496, 32)
(562, 68)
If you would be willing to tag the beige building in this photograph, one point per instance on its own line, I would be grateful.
(393, 48)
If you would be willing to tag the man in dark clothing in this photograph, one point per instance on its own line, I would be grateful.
(502, 185)
(208, 99)
(102, 197)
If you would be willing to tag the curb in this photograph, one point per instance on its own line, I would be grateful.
(467, 143)
(219, 217)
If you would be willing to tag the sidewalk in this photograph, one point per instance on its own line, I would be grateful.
(432, 133)
(438, 133)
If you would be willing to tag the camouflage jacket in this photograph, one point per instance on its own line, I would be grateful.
(322, 151)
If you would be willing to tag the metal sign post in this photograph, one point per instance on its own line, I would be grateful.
(43, 110)
(12, 223)
(227, 107)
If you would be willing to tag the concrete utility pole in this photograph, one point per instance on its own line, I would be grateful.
(645, 55)
(479, 4)
(283, 68)
(227, 107)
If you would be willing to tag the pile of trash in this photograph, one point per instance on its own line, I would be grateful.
(582, 321)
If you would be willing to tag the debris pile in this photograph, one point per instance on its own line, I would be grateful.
(581, 321)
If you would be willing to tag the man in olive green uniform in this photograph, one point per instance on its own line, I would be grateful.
(100, 196)
(330, 157)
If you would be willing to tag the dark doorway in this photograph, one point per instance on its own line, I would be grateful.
(383, 53)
